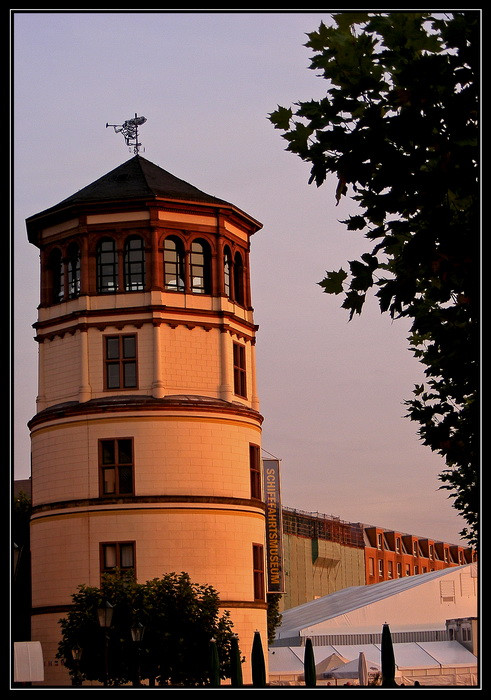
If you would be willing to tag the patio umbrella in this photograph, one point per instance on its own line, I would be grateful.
(388, 660)
(257, 661)
(362, 669)
(309, 665)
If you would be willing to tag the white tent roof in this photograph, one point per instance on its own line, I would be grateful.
(350, 669)
(407, 655)
(347, 600)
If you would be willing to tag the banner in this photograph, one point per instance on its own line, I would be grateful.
(274, 539)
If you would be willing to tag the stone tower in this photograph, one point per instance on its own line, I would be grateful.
(146, 441)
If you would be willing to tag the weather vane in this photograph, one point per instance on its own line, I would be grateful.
(130, 131)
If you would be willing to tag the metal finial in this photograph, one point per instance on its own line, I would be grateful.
(130, 131)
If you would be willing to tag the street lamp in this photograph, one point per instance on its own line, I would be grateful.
(76, 655)
(105, 616)
(137, 635)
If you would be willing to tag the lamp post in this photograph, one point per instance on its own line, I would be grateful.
(76, 655)
(137, 635)
(105, 616)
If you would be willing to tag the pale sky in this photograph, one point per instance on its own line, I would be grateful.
(331, 391)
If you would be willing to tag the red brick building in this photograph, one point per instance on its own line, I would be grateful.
(390, 555)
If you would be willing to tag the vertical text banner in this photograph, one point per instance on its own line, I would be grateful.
(274, 541)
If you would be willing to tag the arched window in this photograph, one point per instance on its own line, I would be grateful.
(227, 266)
(174, 264)
(134, 265)
(57, 276)
(73, 270)
(107, 266)
(200, 267)
(238, 279)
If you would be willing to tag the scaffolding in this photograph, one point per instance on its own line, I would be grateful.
(320, 526)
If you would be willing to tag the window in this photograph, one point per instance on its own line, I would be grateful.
(120, 362)
(258, 569)
(399, 571)
(416, 570)
(200, 267)
(371, 566)
(134, 265)
(255, 468)
(174, 264)
(117, 555)
(107, 266)
(380, 568)
(73, 271)
(379, 541)
(57, 275)
(116, 466)
(398, 544)
(407, 571)
(240, 387)
(390, 572)
(238, 279)
(227, 266)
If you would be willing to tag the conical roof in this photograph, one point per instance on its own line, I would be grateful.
(136, 179)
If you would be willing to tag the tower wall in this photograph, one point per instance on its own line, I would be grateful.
(147, 404)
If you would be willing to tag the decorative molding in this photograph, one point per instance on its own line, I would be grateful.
(144, 502)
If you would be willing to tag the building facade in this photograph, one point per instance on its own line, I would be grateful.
(324, 554)
(146, 441)
(390, 555)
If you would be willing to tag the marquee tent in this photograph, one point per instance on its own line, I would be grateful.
(429, 663)
(411, 603)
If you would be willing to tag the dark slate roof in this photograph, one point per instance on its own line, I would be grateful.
(138, 178)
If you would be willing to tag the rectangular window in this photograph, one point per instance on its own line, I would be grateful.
(240, 387)
(390, 571)
(380, 568)
(117, 556)
(116, 466)
(371, 566)
(258, 569)
(120, 362)
(255, 469)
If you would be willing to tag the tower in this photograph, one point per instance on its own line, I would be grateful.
(146, 441)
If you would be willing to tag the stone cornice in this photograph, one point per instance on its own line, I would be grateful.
(138, 403)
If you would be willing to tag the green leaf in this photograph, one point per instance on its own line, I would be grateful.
(281, 118)
(333, 282)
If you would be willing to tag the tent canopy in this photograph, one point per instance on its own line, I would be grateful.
(350, 670)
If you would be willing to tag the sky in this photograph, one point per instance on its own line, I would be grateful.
(331, 391)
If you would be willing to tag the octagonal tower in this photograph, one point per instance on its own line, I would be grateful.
(146, 441)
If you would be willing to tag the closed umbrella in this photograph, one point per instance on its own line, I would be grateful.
(362, 669)
(257, 662)
(388, 660)
(309, 665)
